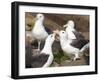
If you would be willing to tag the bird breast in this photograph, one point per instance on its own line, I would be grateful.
(70, 49)
(39, 33)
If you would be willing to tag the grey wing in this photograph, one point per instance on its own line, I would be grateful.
(40, 60)
(79, 43)
(78, 35)
(48, 30)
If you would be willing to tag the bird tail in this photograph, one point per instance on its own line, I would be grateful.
(85, 47)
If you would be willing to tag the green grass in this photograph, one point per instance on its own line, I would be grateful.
(59, 57)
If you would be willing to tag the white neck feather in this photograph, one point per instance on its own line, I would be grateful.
(47, 48)
(39, 23)
(70, 28)
(64, 41)
(38, 26)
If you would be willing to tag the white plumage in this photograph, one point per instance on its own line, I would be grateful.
(48, 49)
(72, 32)
(39, 32)
(69, 40)
(69, 29)
(67, 47)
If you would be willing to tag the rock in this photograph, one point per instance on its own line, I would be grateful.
(81, 61)
(54, 64)
(35, 52)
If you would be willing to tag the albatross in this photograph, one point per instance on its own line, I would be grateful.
(72, 46)
(45, 57)
(39, 32)
(75, 36)
(71, 31)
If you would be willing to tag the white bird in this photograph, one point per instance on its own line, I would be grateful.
(45, 58)
(71, 31)
(38, 31)
(72, 46)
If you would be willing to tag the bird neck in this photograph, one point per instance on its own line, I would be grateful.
(39, 23)
(38, 26)
(47, 48)
(70, 29)
(64, 41)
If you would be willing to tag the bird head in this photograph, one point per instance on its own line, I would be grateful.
(39, 17)
(61, 34)
(70, 24)
(51, 38)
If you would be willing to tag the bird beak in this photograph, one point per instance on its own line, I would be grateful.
(66, 25)
(56, 33)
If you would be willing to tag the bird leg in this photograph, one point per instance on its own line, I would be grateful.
(39, 42)
(76, 56)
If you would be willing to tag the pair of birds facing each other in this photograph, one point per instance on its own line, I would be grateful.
(69, 41)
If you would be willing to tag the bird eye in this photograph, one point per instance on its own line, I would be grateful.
(40, 16)
(51, 35)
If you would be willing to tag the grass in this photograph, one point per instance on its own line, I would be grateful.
(59, 57)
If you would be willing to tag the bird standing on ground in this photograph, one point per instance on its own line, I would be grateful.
(71, 46)
(38, 31)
